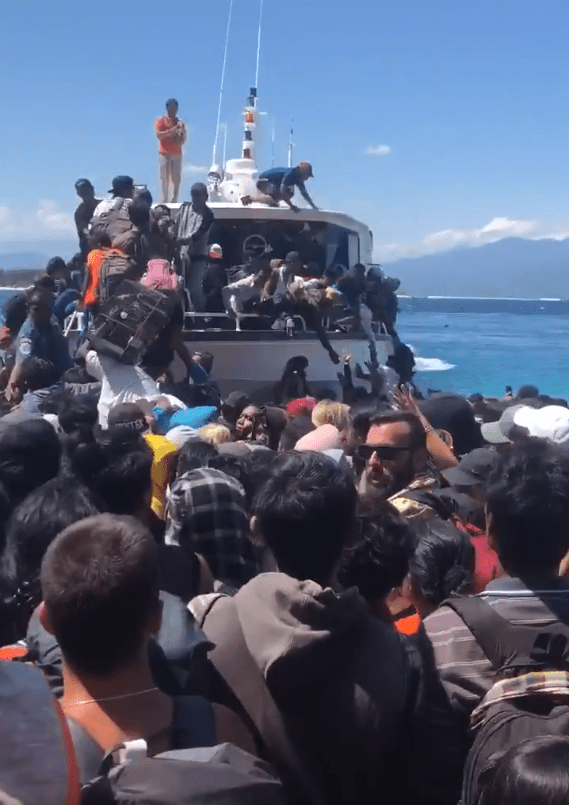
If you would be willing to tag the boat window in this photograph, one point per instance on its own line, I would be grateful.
(317, 242)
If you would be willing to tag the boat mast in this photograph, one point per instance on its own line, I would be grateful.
(290, 145)
(218, 124)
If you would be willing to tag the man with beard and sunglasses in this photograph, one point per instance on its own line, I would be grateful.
(396, 462)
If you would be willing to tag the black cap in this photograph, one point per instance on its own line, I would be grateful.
(453, 413)
(474, 469)
(121, 183)
(83, 183)
(127, 416)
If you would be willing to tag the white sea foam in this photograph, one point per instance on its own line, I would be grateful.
(432, 365)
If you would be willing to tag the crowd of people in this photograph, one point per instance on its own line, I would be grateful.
(313, 601)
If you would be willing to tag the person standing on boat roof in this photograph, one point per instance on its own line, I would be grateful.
(172, 135)
(85, 210)
(278, 184)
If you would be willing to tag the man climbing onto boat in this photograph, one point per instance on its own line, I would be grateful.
(278, 184)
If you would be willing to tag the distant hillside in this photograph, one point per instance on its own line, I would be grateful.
(512, 267)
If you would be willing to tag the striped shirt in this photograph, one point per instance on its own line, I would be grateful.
(464, 669)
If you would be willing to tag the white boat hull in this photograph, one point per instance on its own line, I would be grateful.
(254, 367)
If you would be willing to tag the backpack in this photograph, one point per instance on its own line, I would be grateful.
(160, 276)
(224, 775)
(113, 269)
(114, 221)
(193, 725)
(530, 697)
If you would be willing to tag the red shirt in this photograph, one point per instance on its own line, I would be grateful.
(171, 144)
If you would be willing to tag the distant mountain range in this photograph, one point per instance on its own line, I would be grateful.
(513, 267)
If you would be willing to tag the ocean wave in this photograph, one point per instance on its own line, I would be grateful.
(432, 365)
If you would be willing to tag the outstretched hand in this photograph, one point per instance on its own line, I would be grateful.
(404, 400)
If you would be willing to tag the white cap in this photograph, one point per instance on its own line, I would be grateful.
(216, 251)
(551, 422)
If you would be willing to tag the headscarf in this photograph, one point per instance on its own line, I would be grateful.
(207, 513)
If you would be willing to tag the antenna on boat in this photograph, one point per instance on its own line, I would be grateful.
(273, 146)
(259, 43)
(224, 142)
(290, 144)
(214, 173)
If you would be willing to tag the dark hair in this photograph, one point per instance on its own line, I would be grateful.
(533, 772)
(99, 239)
(362, 416)
(55, 264)
(117, 468)
(78, 414)
(100, 586)
(294, 430)
(527, 501)
(417, 435)
(29, 456)
(126, 479)
(528, 391)
(379, 561)
(33, 526)
(170, 101)
(39, 374)
(259, 465)
(442, 564)
(199, 187)
(306, 513)
(194, 455)
(139, 213)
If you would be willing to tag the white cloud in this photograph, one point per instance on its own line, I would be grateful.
(52, 218)
(46, 220)
(498, 228)
(195, 169)
(378, 150)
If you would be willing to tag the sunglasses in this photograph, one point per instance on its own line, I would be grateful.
(385, 452)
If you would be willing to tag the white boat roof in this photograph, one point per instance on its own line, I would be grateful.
(257, 212)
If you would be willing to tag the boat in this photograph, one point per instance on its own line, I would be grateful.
(253, 360)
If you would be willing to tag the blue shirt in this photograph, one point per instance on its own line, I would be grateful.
(44, 341)
(283, 177)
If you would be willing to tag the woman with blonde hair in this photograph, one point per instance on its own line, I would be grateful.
(214, 433)
(328, 412)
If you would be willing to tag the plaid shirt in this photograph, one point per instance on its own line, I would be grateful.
(207, 514)
(554, 684)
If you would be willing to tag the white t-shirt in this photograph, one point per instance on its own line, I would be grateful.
(122, 384)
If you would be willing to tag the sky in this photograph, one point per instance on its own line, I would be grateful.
(436, 122)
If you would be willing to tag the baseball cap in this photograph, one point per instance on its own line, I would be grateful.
(453, 413)
(474, 468)
(499, 432)
(215, 251)
(83, 183)
(127, 416)
(551, 422)
(121, 183)
(308, 167)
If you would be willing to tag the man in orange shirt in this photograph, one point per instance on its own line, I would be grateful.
(171, 133)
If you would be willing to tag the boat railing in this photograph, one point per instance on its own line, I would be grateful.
(193, 318)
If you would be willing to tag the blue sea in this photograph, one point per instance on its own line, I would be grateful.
(485, 352)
